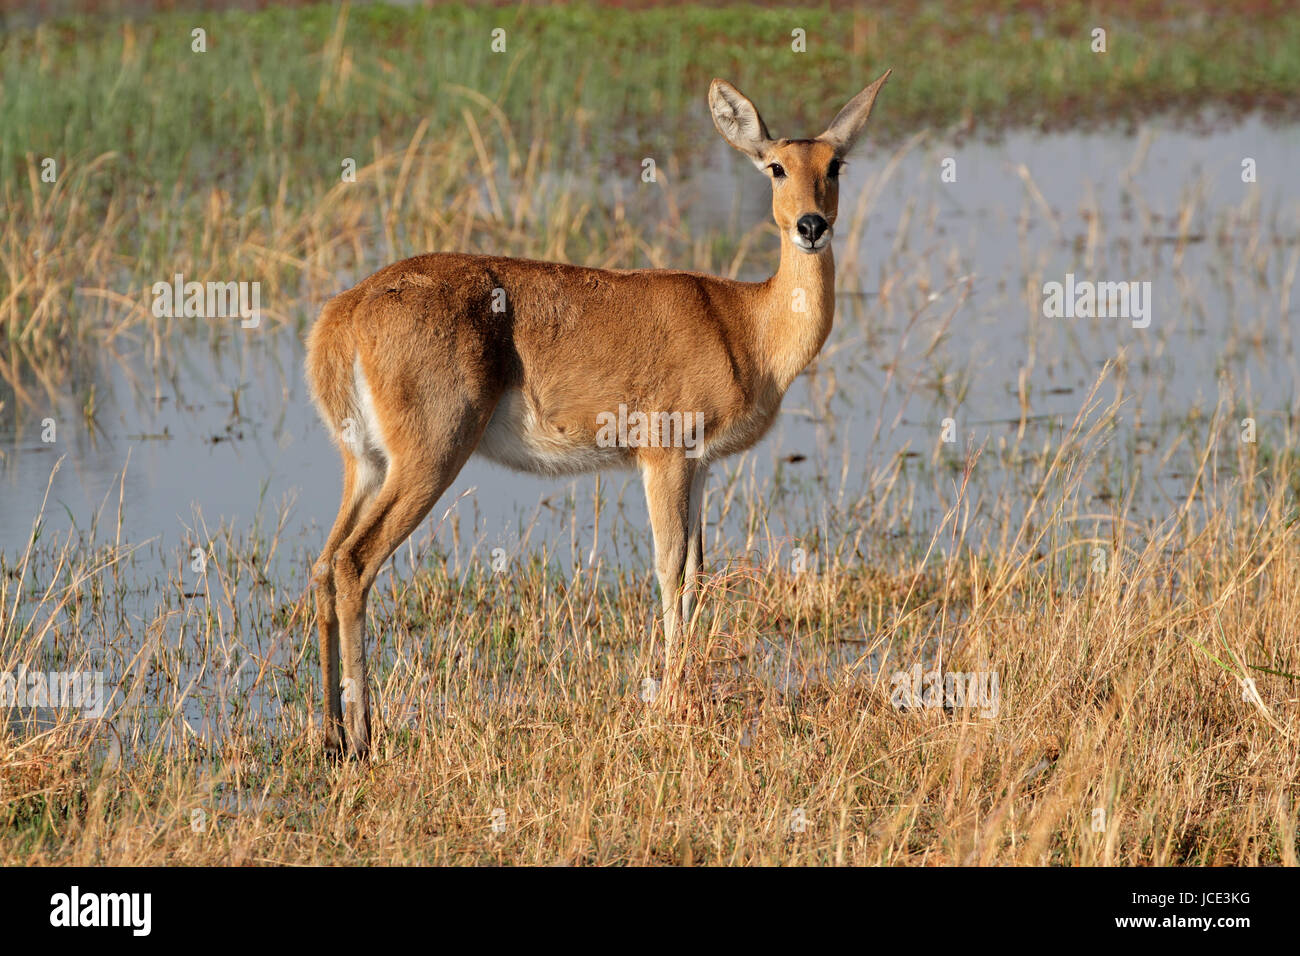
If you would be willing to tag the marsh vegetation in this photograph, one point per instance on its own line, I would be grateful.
(959, 484)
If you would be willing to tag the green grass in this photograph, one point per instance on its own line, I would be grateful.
(229, 162)
(299, 89)
(1122, 689)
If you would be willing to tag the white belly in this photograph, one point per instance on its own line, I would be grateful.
(516, 438)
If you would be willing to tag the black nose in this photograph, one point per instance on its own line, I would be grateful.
(811, 227)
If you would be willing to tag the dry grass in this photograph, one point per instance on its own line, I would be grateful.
(1120, 690)
(1120, 685)
(226, 165)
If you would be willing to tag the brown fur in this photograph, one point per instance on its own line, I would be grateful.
(571, 343)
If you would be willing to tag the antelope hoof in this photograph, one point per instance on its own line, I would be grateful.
(358, 733)
(332, 738)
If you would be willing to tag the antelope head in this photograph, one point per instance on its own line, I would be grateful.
(804, 172)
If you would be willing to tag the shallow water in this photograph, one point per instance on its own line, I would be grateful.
(940, 317)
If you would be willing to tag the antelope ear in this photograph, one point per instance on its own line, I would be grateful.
(843, 131)
(738, 121)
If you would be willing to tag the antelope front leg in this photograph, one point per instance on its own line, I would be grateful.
(695, 547)
(667, 488)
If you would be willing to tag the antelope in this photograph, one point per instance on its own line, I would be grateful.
(433, 358)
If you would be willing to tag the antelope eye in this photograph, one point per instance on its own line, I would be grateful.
(834, 170)
(778, 171)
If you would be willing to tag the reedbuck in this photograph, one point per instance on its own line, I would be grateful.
(434, 358)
